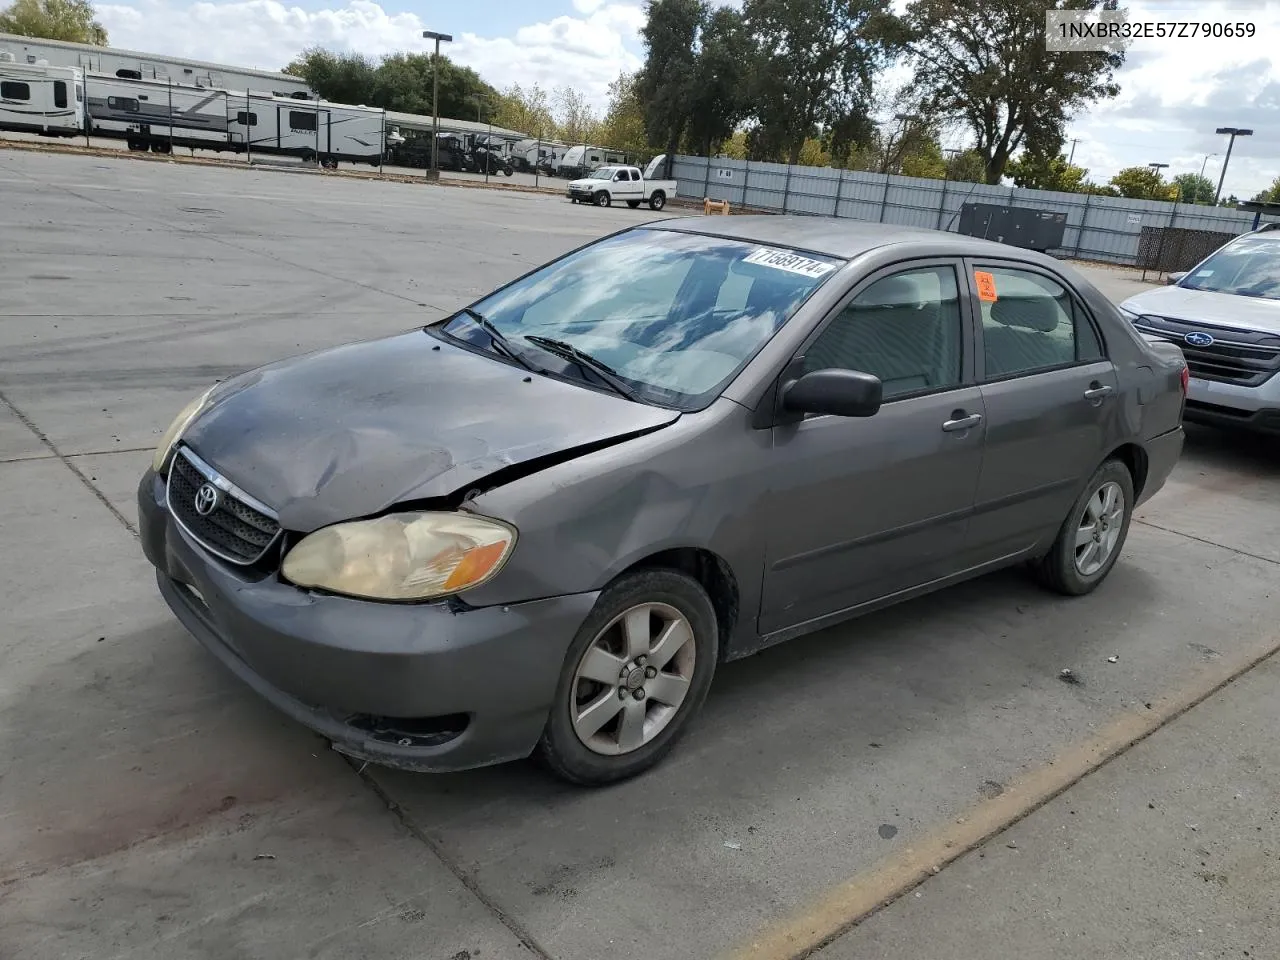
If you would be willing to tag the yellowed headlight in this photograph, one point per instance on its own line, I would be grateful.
(174, 433)
(402, 556)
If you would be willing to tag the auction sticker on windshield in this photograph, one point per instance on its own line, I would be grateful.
(791, 262)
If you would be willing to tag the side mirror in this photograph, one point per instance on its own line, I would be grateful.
(841, 393)
(1175, 277)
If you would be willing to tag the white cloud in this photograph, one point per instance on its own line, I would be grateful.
(587, 52)
(1176, 92)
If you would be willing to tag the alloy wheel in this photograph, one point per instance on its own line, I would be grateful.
(1100, 527)
(631, 680)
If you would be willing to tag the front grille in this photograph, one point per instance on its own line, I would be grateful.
(233, 529)
(1243, 357)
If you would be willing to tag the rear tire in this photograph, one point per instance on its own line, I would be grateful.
(658, 200)
(606, 730)
(1093, 534)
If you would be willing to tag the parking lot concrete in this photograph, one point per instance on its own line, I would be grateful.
(179, 816)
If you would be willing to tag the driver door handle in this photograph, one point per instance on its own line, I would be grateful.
(962, 423)
(1097, 391)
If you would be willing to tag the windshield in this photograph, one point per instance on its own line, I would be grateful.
(602, 173)
(1248, 267)
(675, 316)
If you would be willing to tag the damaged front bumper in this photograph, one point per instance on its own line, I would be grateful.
(430, 686)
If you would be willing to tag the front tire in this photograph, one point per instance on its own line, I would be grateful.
(1093, 535)
(603, 199)
(635, 676)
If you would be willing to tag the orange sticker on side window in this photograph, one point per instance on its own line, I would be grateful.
(986, 286)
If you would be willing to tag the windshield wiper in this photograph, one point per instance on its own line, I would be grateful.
(601, 369)
(499, 343)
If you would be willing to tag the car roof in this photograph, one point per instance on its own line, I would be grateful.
(844, 238)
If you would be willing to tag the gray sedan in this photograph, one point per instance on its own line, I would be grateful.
(539, 524)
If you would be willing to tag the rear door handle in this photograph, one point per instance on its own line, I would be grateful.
(962, 423)
(1097, 392)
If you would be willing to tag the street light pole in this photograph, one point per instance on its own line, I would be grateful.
(1156, 168)
(904, 118)
(1234, 132)
(1204, 163)
(435, 96)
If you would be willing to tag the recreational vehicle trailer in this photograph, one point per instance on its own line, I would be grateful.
(530, 153)
(582, 159)
(153, 115)
(316, 129)
(40, 99)
(156, 116)
(132, 65)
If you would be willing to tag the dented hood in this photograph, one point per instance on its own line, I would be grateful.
(350, 431)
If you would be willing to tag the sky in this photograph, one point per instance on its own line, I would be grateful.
(1174, 92)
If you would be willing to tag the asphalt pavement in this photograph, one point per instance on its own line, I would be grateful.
(152, 807)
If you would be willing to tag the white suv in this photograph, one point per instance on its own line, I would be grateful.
(1225, 315)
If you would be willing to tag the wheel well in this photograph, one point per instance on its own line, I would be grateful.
(711, 572)
(1135, 458)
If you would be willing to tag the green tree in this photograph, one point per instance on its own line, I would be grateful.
(527, 109)
(1269, 195)
(984, 63)
(575, 121)
(735, 148)
(1142, 183)
(666, 83)
(1195, 188)
(718, 100)
(925, 160)
(1037, 173)
(340, 77)
(898, 140)
(815, 64)
(72, 21)
(623, 127)
(402, 81)
(967, 166)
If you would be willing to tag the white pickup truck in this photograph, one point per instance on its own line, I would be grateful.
(605, 185)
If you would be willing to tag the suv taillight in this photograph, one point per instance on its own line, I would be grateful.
(1186, 379)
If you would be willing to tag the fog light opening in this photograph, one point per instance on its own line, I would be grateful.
(411, 731)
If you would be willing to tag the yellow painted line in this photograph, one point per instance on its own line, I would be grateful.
(853, 901)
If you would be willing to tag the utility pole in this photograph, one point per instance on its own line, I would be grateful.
(1234, 132)
(435, 96)
(1072, 157)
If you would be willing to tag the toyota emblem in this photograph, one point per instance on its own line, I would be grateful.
(206, 499)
